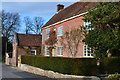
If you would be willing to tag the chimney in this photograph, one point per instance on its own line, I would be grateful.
(59, 7)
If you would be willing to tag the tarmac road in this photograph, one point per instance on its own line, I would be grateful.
(10, 73)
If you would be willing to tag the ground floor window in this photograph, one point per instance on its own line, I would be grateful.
(88, 52)
(60, 51)
(47, 51)
(33, 52)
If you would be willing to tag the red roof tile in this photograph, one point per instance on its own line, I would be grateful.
(72, 10)
(29, 40)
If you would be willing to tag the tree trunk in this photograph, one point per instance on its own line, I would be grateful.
(50, 51)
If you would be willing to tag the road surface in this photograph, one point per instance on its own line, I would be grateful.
(10, 73)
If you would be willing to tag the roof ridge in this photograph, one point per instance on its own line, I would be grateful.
(70, 11)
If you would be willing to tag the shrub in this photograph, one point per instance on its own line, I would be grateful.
(111, 65)
(74, 66)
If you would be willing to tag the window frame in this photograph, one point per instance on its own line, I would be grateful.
(47, 51)
(60, 31)
(47, 33)
(85, 51)
(60, 51)
(33, 50)
(86, 24)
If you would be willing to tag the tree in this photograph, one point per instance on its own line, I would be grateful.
(38, 23)
(28, 24)
(34, 25)
(71, 40)
(105, 37)
(10, 24)
(51, 41)
(9, 47)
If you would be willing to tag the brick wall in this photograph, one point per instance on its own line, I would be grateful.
(21, 50)
(68, 26)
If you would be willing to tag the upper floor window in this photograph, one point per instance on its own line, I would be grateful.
(47, 33)
(87, 23)
(60, 31)
(60, 51)
(33, 52)
(88, 52)
(86, 26)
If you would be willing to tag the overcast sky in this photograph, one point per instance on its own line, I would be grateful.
(42, 9)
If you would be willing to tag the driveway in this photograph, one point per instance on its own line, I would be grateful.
(10, 73)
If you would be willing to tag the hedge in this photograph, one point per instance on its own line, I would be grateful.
(73, 66)
(111, 65)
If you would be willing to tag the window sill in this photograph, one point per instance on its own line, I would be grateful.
(59, 55)
(47, 55)
(88, 56)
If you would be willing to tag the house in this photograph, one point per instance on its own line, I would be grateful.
(65, 20)
(24, 44)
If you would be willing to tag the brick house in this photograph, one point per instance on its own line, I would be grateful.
(25, 44)
(67, 19)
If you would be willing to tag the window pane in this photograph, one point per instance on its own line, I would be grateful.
(88, 54)
(60, 31)
(91, 54)
(88, 51)
(47, 50)
(86, 24)
(33, 52)
(60, 51)
(47, 32)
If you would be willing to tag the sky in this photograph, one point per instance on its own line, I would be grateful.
(41, 9)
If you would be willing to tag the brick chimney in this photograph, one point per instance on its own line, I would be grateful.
(59, 7)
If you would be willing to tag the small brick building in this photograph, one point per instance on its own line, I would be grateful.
(24, 44)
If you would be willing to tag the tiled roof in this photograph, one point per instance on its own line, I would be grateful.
(72, 10)
(29, 40)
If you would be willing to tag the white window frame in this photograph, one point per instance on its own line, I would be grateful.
(87, 49)
(47, 51)
(47, 33)
(60, 48)
(33, 50)
(86, 24)
(60, 30)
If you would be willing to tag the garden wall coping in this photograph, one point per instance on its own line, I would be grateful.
(52, 74)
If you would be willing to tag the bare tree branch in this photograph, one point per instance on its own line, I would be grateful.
(34, 25)
(71, 40)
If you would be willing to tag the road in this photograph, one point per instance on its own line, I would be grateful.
(10, 73)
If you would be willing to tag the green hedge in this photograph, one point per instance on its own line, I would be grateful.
(111, 65)
(76, 66)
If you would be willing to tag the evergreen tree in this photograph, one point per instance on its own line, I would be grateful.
(105, 34)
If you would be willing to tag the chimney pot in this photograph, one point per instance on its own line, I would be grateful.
(59, 7)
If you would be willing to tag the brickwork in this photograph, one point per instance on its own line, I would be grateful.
(19, 50)
(68, 26)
